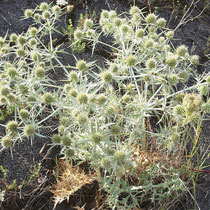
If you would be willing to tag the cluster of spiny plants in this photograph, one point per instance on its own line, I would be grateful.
(127, 119)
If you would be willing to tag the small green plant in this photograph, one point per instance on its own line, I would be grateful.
(105, 113)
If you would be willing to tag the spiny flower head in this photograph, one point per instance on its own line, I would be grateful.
(29, 130)
(130, 60)
(169, 34)
(33, 31)
(66, 141)
(184, 76)
(24, 114)
(21, 40)
(5, 91)
(56, 139)
(126, 98)
(81, 65)
(43, 6)
(181, 50)
(39, 72)
(171, 61)
(115, 129)
(151, 18)
(194, 59)
(12, 72)
(151, 63)
(134, 10)
(13, 37)
(101, 99)
(120, 156)
(47, 98)
(81, 119)
(88, 23)
(204, 90)
(6, 142)
(82, 98)
(73, 93)
(46, 15)
(140, 33)
(28, 13)
(106, 76)
(12, 126)
(73, 77)
(161, 22)
(78, 34)
(96, 138)
(106, 162)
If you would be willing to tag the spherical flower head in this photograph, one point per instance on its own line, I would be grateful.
(117, 22)
(151, 63)
(29, 130)
(78, 34)
(106, 76)
(184, 76)
(61, 129)
(101, 99)
(90, 33)
(82, 98)
(208, 79)
(92, 99)
(178, 110)
(204, 90)
(171, 61)
(106, 163)
(140, 33)
(136, 19)
(169, 34)
(21, 40)
(161, 40)
(42, 64)
(20, 52)
(13, 37)
(134, 10)
(12, 72)
(96, 138)
(113, 68)
(124, 28)
(12, 126)
(115, 129)
(130, 60)
(161, 22)
(11, 98)
(104, 14)
(73, 77)
(151, 19)
(112, 14)
(88, 23)
(152, 30)
(67, 88)
(56, 9)
(24, 114)
(130, 88)
(32, 42)
(126, 98)
(195, 59)
(47, 98)
(73, 93)
(5, 91)
(206, 108)
(69, 153)
(6, 142)
(120, 156)
(36, 57)
(56, 139)
(173, 79)
(81, 119)
(81, 65)
(37, 17)
(28, 13)
(33, 31)
(192, 103)
(43, 6)
(65, 121)
(39, 72)
(149, 43)
(45, 15)
(181, 50)
(66, 141)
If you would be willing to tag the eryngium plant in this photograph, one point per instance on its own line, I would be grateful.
(128, 120)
